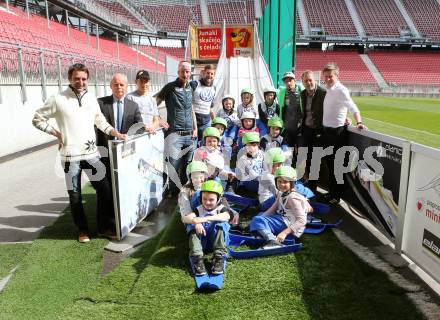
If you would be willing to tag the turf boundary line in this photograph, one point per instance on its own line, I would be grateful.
(414, 292)
(403, 128)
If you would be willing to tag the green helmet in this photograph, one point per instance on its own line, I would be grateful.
(219, 120)
(286, 172)
(247, 90)
(275, 155)
(275, 122)
(211, 132)
(250, 137)
(212, 186)
(196, 166)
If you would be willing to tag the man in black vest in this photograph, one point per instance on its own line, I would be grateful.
(312, 102)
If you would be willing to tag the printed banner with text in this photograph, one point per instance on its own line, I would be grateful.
(137, 179)
(421, 234)
(239, 42)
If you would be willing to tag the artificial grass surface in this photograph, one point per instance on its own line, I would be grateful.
(415, 119)
(323, 281)
(55, 271)
(11, 255)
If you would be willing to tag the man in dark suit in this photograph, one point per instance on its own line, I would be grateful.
(122, 113)
(312, 102)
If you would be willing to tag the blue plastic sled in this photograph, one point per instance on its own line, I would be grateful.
(320, 208)
(247, 254)
(318, 227)
(237, 240)
(236, 199)
(208, 282)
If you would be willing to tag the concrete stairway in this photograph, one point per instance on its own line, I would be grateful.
(355, 17)
(374, 71)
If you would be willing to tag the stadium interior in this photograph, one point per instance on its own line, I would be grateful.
(371, 40)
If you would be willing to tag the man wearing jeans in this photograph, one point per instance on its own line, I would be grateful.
(76, 112)
(179, 142)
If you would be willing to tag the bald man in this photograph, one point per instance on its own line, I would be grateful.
(178, 97)
(120, 112)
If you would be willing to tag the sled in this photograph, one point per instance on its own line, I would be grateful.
(208, 282)
(236, 240)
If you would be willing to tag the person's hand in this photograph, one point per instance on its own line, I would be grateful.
(57, 134)
(282, 236)
(200, 230)
(235, 219)
(164, 124)
(150, 130)
(194, 135)
(121, 136)
(361, 126)
(231, 176)
(347, 121)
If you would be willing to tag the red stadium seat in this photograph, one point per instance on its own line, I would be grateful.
(35, 33)
(380, 18)
(353, 69)
(425, 17)
(330, 15)
(408, 67)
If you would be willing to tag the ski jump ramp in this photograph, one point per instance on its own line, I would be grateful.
(236, 73)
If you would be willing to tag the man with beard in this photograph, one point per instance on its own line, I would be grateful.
(203, 99)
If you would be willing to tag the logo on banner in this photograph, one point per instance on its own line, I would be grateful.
(434, 185)
(420, 204)
(431, 243)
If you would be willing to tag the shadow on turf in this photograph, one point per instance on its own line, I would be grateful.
(64, 228)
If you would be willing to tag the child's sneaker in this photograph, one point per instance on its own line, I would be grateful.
(218, 264)
(199, 266)
(272, 244)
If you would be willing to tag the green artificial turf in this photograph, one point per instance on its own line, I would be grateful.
(323, 281)
(10, 256)
(55, 271)
(415, 119)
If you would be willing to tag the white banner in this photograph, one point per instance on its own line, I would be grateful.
(137, 167)
(421, 235)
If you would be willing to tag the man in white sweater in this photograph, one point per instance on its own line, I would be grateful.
(337, 103)
(76, 112)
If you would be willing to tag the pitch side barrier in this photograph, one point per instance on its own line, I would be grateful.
(402, 201)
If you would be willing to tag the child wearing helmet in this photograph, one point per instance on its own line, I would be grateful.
(267, 190)
(208, 229)
(273, 139)
(248, 123)
(197, 173)
(247, 103)
(211, 154)
(227, 113)
(250, 162)
(221, 125)
(269, 108)
(287, 215)
(210, 144)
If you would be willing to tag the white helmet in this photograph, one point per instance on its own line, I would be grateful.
(228, 96)
(248, 115)
(270, 89)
